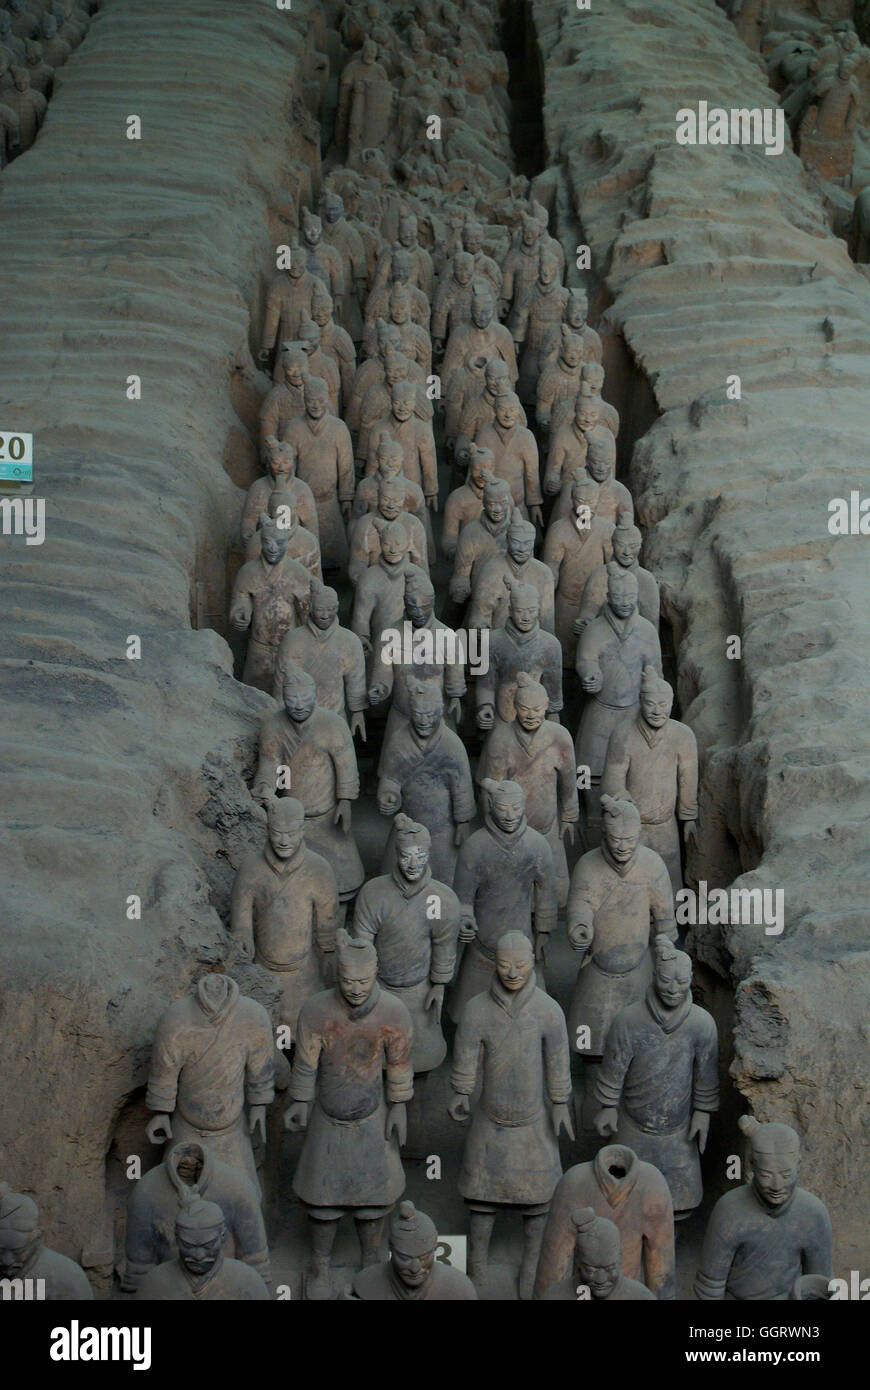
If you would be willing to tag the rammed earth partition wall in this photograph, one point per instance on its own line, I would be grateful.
(717, 261)
(123, 778)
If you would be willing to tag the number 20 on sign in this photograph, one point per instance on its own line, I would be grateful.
(16, 457)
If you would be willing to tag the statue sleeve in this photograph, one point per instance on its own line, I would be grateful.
(462, 789)
(618, 1052)
(594, 594)
(399, 1078)
(454, 677)
(616, 765)
(365, 917)
(557, 1056)
(428, 465)
(260, 1065)
(532, 468)
(510, 356)
(705, 1077)
(557, 1247)
(553, 552)
(460, 580)
(344, 463)
(687, 777)
(167, 1060)
(140, 1253)
(466, 1053)
(265, 782)
(658, 1241)
(326, 912)
(444, 938)
(439, 313)
(588, 662)
(548, 602)
(555, 461)
(717, 1256)
(551, 677)
(303, 1077)
(269, 413)
(450, 530)
(344, 762)
(817, 1252)
(272, 318)
(465, 877)
(355, 677)
(580, 910)
(363, 608)
(383, 672)
(544, 901)
(242, 909)
(662, 903)
(569, 801)
(544, 396)
(242, 604)
(486, 683)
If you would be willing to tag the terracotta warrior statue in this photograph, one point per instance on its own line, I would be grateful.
(14, 46)
(513, 1038)
(200, 1270)
(485, 267)
(332, 655)
(322, 260)
(521, 645)
(285, 911)
(404, 427)
(335, 342)
(270, 596)
(452, 305)
(302, 544)
(764, 1235)
(29, 106)
(402, 270)
(478, 409)
(324, 459)
(424, 770)
(659, 1082)
(515, 455)
(614, 499)
(376, 403)
(619, 901)
(287, 302)
(406, 240)
(504, 869)
(611, 653)
(538, 755)
(465, 503)
(412, 1271)
(366, 497)
(597, 1267)
(213, 1055)
(542, 309)
(483, 539)
(574, 547)
(41, 73)
(626, 542)
(286, 400)
(352, 1079)
(24, 1256)
(569, 445)
(559, 383)
(574, 319)
(364, 542)
(366, 102)
(635, 1197)
(9, 126)
(489, 595)
(482, 338)
(319, 363)
(157, 1196)
(345, 237)
(653, 760)
(281, 476)
(308, 752)
(393, 676)
(413, 921)
(379, 596)
(521, 266)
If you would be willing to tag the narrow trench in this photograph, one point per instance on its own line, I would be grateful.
(627, 388)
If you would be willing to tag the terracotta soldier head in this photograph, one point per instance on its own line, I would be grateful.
(621, 591)
(626, 542)
(309, 335)
(312, 228)
(286, 819)
(394, 540)
(548, 272)
(530, 229)
(48, 30)
(497, 499)
(21, 78)
(280, 459)
(426, 707)
(620, 821)
(419, 599)
(369, 52)
(672, 973)
(480, 462)
(401, 266)
(413, 843)
(300, 694)
(656, 698)
(395, 367)
(472, 237)
(294, 360)
(591, 375)
(274, 539)
(587, 410)
(601, 456)
(316, 395)
(524, 604)
(332, 206)
(463, 267)
(323, 610)
(20, 1233)
(576, 310)
(403, 398)
(413, 1241)
(584, 499)
(391, 498)
(357, 968)
(390, 457)
(531, 702)
(507, 409)
(571, 348)
(775, 1156)
(408, 231)
(283, 511)
(482, 308)
(400, 304)
(520, 538)
(514, 960)
(296, 268)
(506, 804)
(597, 1252)
(322, 305)
(497, 377)
(200, 1232)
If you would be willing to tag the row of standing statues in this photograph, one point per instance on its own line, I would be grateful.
(394, 365)
(36, 38)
